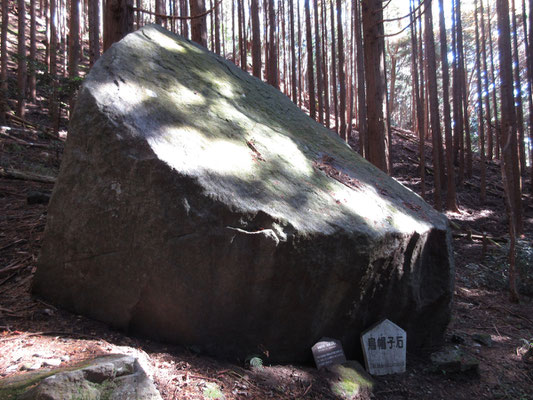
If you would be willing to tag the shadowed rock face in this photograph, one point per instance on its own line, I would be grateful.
(198, 205)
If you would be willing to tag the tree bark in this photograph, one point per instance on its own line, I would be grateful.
(53, 107)
(373, 37)
(518, 94)
(273, 74)
(32, 81)
(418, 100)
(529, 54)
(21, 51)
(486, 97)
(361, 95)
(342, 78)
(217, 32)
(242, 34)
(451, 197)
(324, 52)
(481, 121)
(94, 31)
(256, 40)
(458, 132)
(294, 83)
(433, 100)
(74, 44)
(508, 140)
(496, 144)
(334, 68)
(198, 25)
(318, 54)
(310, 72)
(118, 21)
(3, 61)
(184, 23)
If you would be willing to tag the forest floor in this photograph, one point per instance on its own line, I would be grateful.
(33, 332)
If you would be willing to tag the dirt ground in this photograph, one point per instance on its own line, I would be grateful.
(34, 333)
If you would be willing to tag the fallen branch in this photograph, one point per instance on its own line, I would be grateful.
(26, 176)
(12, 244)
(23, 142)
(493, 240)
(38, 127)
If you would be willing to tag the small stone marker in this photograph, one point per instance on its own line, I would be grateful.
(327, 352)
(384, 347)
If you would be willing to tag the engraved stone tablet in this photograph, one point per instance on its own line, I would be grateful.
(327, 352)
(384, 347)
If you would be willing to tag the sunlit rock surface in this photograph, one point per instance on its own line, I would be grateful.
(198, 205)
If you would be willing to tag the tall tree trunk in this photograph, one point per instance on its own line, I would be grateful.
(334, 67)
(282, 47)
(529, 56)
(481, 121)
(21, 51)
(118, 21)
(508, 135)
(342, 78)
(273, 75)
(496, 144)
(458, 133)
(242, 34)
(300, 74)
(234, 54)
(74, 44)
(518, 94)
(310, 73)
(94, 31)
(217, 12)
(418, 101)
(486, 96)
(3, 64)
(508, 140)
(184, 23)
(198, 25)
(361, 95)
(393, 55)
(324, 71)
(319, 80)
(54, 101)
(373, 38)
(466, 153)
(33, 53)
(433, 100)
(350, 71)
(159, 11)
(3, 61)
(256, 40)
(451, 198)
(294, 83)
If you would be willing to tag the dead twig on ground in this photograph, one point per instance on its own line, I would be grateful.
(26, 176)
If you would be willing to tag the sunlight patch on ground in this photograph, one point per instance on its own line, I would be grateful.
(465, 214)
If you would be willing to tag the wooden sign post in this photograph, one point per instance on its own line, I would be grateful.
(384, 347)
(327, 352)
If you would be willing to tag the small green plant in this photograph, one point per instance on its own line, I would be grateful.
(212, 391)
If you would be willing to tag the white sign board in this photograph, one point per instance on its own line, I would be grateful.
(384, 348)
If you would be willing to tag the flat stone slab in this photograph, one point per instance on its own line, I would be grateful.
(114, 377)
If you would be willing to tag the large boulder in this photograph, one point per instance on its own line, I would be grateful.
(197, 205)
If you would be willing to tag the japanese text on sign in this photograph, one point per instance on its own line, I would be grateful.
(385, 342)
